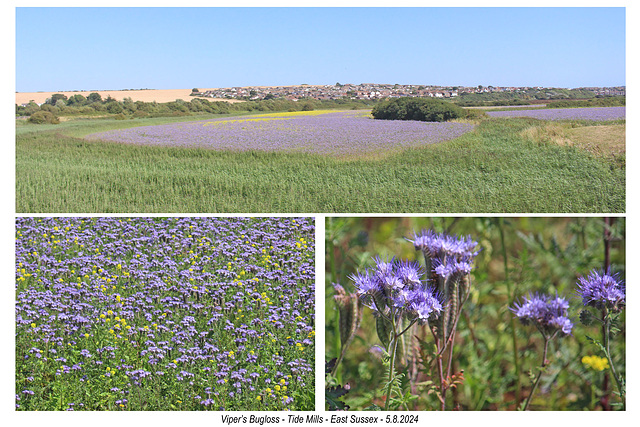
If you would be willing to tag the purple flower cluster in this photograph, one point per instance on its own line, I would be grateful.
(591, 113)
(443, 246)
(449, 257)
(345, 133)
(602, 290)
(397, 285)
(212, 307)
(547, 313)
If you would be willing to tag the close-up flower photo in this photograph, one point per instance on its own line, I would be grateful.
(134, 314)
(475, 314)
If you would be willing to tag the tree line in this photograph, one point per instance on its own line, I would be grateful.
(94, 105)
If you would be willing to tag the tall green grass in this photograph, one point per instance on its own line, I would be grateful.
(492, 169)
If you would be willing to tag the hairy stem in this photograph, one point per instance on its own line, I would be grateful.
(542, 366)
(336, 321)
(607, 338)
(512, 320)
(392, 360)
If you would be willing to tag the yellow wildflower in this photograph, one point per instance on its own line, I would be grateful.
(596, 363)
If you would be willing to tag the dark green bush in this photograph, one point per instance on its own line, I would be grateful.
(421, 109)
(114, 107)
(41, 117)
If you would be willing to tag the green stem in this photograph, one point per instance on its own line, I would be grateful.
(607, 334)
(392, 360)
(407, 328)
(516, 359)
(339, 346)
(542, 366)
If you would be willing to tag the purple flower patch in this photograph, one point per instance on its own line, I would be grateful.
(346, 133)
(197, 310)
(593, 113)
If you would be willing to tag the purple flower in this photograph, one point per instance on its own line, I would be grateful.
(409, 273)
(441, 245)
(424, 304)
(548, 314)
(602, 290)
(366, 286)
(397, 284)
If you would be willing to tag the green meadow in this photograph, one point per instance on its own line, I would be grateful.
(504, 165)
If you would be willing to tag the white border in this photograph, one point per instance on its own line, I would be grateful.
(8, 216)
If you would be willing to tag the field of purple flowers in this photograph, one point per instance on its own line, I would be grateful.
(594, 113)
(165, 314)
(345, 133)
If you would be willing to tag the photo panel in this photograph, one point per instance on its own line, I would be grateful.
(475, 313)
(165, 314)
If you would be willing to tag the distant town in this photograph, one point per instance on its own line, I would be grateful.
(373, 91)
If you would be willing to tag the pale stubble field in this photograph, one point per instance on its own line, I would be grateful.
(145, 95)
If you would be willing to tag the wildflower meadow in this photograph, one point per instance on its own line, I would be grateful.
(338, 134)
(165, 314)
(475, 314)
(592, 114)
(322, 161)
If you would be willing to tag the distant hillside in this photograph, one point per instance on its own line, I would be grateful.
(528, 95)
(145, 95)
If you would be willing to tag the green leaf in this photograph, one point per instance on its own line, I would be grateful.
(332, 396)
(373, 407)
(587, 318)
(596, 343)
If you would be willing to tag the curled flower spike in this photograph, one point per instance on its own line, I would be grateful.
(409, 273)
(451, 266)
(440, 245)
(397, 284)
(602, 290)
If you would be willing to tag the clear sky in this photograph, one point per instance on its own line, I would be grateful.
(60, 49)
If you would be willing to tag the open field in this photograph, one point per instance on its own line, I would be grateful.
(497, 167)
(592, 113)
(147, 95)
(495, 107)
(343, 134)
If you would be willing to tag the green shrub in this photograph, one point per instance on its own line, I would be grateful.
(474, 114)
(613, 101)
(41, 117)
(421, 109)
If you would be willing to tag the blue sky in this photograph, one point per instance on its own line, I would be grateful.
(61, 49)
